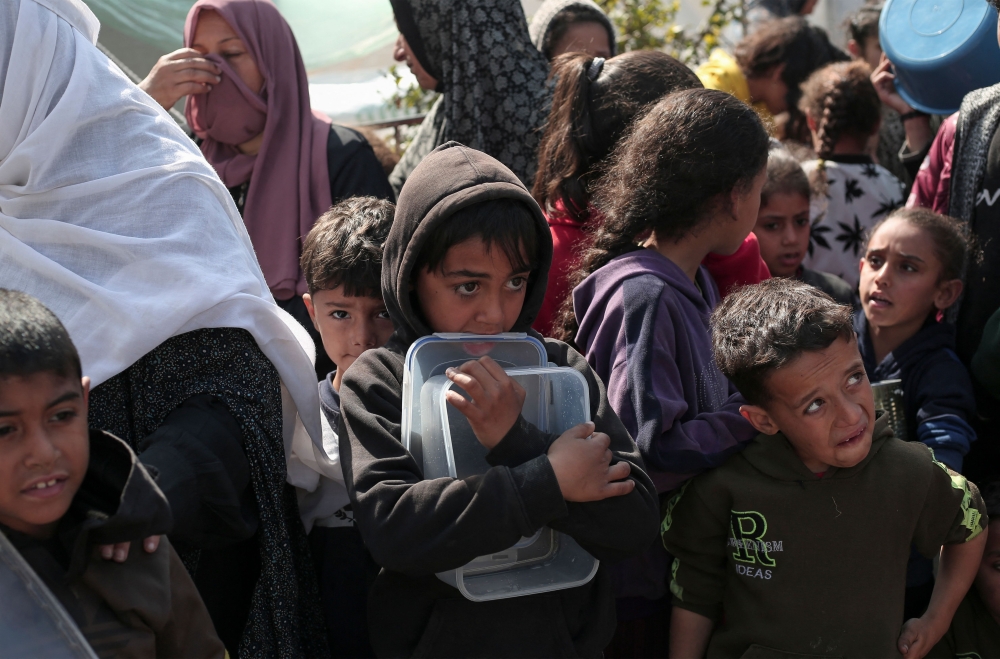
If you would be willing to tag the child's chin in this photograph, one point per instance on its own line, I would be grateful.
(852, 456)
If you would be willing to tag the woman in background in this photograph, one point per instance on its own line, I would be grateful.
(572, 26)
(111, 217)
(283, 163)
(492, 79)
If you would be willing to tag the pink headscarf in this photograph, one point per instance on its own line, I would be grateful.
(289, 177)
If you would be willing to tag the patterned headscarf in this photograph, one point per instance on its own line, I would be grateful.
(495, 96)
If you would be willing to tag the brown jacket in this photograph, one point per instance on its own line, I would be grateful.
(145, 607)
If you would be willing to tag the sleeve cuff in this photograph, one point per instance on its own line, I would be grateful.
(523, 442)
(540, 496)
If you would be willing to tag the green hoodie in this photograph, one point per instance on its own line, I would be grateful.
(786, 562)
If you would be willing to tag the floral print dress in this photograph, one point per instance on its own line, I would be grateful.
(858, 194)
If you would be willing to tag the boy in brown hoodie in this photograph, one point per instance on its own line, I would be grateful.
(798, 545)
(64, 491)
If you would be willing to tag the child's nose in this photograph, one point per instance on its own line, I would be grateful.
(365, 335)
(491, 312)
(882, 276)
(43, 451)
(849, 412)
(788, 236)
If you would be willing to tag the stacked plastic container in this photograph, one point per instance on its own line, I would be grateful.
(440, 438)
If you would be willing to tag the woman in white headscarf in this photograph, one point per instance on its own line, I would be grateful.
(111, 217)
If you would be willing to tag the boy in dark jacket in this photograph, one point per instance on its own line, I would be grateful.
(64, 491)
(469, 251)
(342, 264)
(799, 544)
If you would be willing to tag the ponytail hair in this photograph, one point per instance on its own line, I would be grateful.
(593, 104)
(678, 162)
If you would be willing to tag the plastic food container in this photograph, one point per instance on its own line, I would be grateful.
(556, 399)
(433, 355)
(941, 50)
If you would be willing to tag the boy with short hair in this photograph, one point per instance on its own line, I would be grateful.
(799, 544)
(64, 490)
(469, 251)
(342, 264)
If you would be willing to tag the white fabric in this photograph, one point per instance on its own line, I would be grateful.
(111, 217)
(321, 506)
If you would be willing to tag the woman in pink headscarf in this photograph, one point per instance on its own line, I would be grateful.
(248, 104)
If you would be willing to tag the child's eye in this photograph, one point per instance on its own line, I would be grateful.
(468, 288)
(909, 267)
(340, 314)
(814, 406)
(517, 283)
(6, 429)
(383, 315)
(874, 262)
(232, 54)
(64, 415)
(856, 378)
(802, 222)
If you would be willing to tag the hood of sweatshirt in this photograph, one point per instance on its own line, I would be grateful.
(541, 22)
(594, 293)
(933, 338)
(450, 178)
(774, 456)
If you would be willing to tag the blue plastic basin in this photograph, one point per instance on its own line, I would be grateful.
(941, 50)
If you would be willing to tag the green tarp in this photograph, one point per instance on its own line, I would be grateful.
(329, 32)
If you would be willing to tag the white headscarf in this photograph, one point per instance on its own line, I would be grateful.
(112, 218)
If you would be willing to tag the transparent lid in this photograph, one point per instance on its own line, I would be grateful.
(556, 399)
(32, 621)
(432, 355)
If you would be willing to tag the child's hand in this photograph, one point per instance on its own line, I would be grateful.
(918, 637)
(496, 399)
(884, 81)
(119, 552)
(582, 462)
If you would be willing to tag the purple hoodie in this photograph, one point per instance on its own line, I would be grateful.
(644, 329)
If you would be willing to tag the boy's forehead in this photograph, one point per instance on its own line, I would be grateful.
(812, 369)
(338, 297)
(36, 389)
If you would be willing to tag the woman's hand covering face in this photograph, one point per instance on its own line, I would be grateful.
(177, 74)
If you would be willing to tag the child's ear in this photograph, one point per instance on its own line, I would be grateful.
(811, 123)
(307, 299)
(947, 293)
(759, 419)
(854, 49)
(85, 383)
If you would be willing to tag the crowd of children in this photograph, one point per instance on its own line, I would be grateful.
(728, 300)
